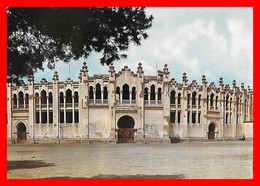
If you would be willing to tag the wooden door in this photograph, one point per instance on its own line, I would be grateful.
(211, 135)
(126, 135)
(21, 137)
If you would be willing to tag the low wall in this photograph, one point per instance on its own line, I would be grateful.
(248, 129)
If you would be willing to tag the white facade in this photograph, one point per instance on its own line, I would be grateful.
(127, 107)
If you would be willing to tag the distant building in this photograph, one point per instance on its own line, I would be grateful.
(127, 107)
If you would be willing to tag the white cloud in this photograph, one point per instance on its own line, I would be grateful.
(241, 38)
(217, 42)
(187, 45)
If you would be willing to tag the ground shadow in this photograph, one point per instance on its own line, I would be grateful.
(139, 176)
(175, 139)
(136, 176)
(27, 164)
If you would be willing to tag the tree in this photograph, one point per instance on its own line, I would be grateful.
(39, 35)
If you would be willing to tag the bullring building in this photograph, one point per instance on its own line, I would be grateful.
(127, 107)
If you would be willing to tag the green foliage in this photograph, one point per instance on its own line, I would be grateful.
(38, 35)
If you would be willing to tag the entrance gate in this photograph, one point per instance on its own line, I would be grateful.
(211, 133)
(21, 133)
(126, 130)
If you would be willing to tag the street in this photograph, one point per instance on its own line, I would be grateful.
(231, 159)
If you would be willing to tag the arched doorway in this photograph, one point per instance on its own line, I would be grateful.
(211, 133)
(21, 133)
(126, 129)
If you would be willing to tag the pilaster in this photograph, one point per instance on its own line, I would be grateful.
(56, 104)
(111, 101)
(31, 123)
(166, 105)
(9, 112)
(184, 107)
(83, 124)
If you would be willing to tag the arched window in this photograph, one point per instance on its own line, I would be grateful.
(226, 118)
(193, 98)
(27, 100)
(188, 100)
(246, 108)
(68, 116)
(43, 97)
(105, 93)
(230, 103)
(43, 116)
(36, 98)
(159, 93)
(179, 98)
(146, 93)
(211, 100)
(68, 96)
(50, 98)
(98, 91)
(91, 94)
(125, 92)
(238, 103)
(76, 104)
(152, 92)
(21, 99)
(76, 98)
(172, 101)
(199, 99)
(50, 116)
(61, 97)
(227, 97)
(216, 102)
(61, 116)
(133, 93)
(15, 100)
(76, 116)
(117, 93)
(207, 101)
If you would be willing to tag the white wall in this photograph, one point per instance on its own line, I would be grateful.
(99, 123)
(228, 131)
(175, 130)
(153, 123)
(248, 130)
(196, 130)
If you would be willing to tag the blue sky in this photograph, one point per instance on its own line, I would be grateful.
(217, 42)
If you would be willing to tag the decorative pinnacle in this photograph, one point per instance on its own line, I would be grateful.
(140, 68)
(242, 86)
(234, 83)
(84, 67)
(184, 78)
(165, 69)
(55, 76)
(203, 79)
(30, 78)
(220, 81)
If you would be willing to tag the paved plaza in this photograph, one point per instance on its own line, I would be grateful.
(231, 159)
